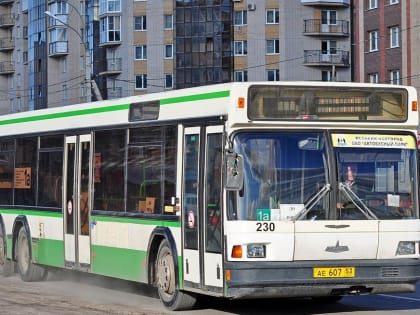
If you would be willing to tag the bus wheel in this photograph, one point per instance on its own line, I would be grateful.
(168, 290)
(6, 265)
(27, 270)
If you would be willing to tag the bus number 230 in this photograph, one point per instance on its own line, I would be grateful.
(265, 227)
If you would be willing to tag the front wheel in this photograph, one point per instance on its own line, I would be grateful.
(168, 289)
(27, 270)
(6, 265)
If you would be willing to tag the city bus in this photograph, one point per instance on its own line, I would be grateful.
(237, 190)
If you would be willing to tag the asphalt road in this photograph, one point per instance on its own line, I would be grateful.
(74, 293)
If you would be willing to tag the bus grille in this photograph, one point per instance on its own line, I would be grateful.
(390, 271)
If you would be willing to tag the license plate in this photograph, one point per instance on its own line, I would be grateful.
(334, 272)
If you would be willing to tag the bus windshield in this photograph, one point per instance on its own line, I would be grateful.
(287, 177)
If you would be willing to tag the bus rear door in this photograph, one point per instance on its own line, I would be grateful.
(76, 201)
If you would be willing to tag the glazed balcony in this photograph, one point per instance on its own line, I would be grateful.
(6, 20)
(6, 44)
(317, 28)
(58, 49)
(6, 2)
(113, 67)
(114, 93)
(6, 68)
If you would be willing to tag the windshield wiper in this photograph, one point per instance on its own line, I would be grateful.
(354, 198)
(312, 202)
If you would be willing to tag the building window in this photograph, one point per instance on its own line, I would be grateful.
(141, 81)
(329, 47)
(327, 75)
(141, 52)
(373, 4)
(395, 76)
(240, 18)
(58, 7)
(169, 51)
(168, 23)
(373, 41)
(110, 6)
(241, 76)
(394, 32)
(373, 78)
(272, 47)
(273, 75)
(168, 81)
(328, 17)
(110, 28)
(240, 48)
(140, 23)
(394, 1)
(272, 16)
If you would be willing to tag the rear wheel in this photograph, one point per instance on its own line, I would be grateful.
(27, 270)
(168, 290)
(6, 265)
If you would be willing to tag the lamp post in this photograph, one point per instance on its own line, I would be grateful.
(88, 81)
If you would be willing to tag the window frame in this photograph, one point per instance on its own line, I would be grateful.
(273, 45)
(394, 36)
(143, 81)
(242, 16)
(272, 16)
(240, 47)
(373, 40)
(142, 23)
(143, 50)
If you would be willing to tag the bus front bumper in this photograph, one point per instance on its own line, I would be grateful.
(274, 279)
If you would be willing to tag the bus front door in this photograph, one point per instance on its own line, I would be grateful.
(202, 208)
(76, 201)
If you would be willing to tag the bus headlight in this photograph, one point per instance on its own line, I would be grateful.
(406, 248)
(255, 251)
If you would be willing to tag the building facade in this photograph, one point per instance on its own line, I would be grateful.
(385, 32)
(56, 52)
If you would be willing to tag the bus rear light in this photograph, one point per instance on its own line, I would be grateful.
(237, 251)
(414, 106)
(255, 251)
(227, 275)
(406, 248)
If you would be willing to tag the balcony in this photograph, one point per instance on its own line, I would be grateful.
(6, 68)
(339, 58)
(316, 27)
(336, 3)
(58, 49)
(6, 2)
(113, 93)
(113, 67)
(6, 21)
(6, 44)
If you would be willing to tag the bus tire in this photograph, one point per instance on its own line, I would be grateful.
(27, 270)
(6, 265)
(169, 293)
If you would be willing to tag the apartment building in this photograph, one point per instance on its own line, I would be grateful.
(57, 52)
(292, 40)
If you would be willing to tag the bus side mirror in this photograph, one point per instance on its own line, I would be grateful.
(234, 171)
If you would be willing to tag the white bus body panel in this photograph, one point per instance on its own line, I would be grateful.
(332, 240)
(392, 232)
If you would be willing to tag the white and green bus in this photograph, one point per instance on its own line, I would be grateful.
(238, 190)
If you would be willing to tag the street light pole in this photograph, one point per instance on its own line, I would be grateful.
(88, 81)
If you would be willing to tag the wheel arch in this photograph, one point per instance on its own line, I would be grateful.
(157, 236)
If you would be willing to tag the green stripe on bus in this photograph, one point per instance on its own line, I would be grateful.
(32, 213)
(137, 221)
(80, 112)
(120, 263)
(48, 252)
(196, 97)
